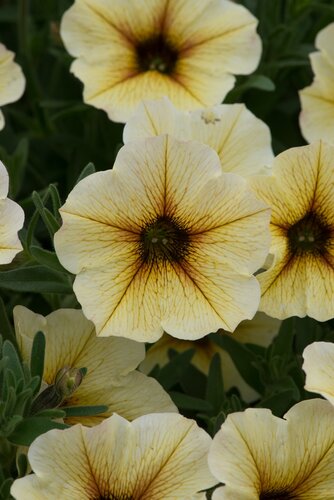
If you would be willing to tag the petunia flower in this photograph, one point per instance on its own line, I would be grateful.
(11, 221)
(260, 331)
(111, 378)
(12, 81)
(260, 456)
(242, 141)
(317, 115)
(319, 368)
(128, 50)
(164, 241)
(300, 192)
(155, 457)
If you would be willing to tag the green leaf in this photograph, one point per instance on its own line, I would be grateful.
(51, 413)
(35, 279)
(282, 344)
(260, 82)
(243, 357)
(22, 464)
(48, 218)
(22, 400)
(56, 201)
(84, 411)
(193, 382)
(6, 329)
(86, 171)
(10, 425)
(278, 403)
(16, 163)
(185, 402)
(14, 362)
(32, 427)
(171, 374)
(37, 357)
(215, 386)
(5, 489)
(46, 258)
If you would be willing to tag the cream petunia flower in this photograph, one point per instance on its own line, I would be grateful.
(158, 456)
(317, 100)
(164, 241)
(260, 456)
(129, 50)
(12, 81)
(319, 368)
(242, 141)
(12, 218)
(111, 378)
(260, 330)
(300, 192)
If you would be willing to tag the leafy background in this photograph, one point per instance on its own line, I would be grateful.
(52, 138)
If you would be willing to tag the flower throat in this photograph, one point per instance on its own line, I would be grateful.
(308, 235)
(156, 54)
(164, 239)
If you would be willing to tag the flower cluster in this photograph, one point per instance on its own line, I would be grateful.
(177, 288)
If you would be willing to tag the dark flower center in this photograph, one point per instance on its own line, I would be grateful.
(156, 54)
(164, 239)
(309, 235)
(276, 496)
(112, 497)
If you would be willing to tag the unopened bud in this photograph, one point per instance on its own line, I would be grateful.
(67, 381)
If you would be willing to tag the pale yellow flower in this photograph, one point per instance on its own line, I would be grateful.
(164, 241)
(11, 220)
(128, 50)
(317, 100)
(260, 330)
(12, 81)
(155, 457)
(111, 378)
(300, 192)
(260, 456)
(319, 368)
(242, 141)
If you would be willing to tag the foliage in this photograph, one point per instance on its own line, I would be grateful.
(49, 138)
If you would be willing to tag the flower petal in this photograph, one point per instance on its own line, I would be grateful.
(156, 456)
(12, 81)
(257, 454)
(12, 218)
(319, 368)
(223, 128)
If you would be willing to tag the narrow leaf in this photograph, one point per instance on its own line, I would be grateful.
(83, 411)
(46, 258)
(37, 356)
(32, 427)
(86, 171)
(185, 402)
(35, 279)
(215, 387)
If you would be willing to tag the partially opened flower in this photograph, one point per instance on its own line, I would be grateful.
(260, 456)
(242, 141)
(300, 192)
(11, 221)
(317, 116)
(111, 378)
(164, 241)
(12, 81)
(260, 330)
(319, 368)
(158, 456)
(128, 50)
